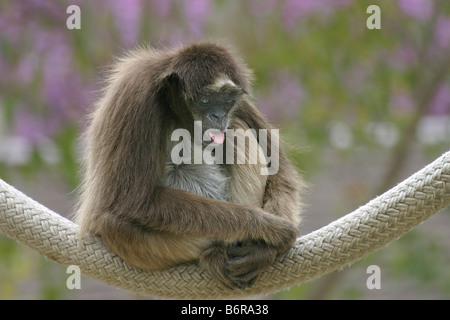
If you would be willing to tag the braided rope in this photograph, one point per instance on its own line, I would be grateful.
(329, 248)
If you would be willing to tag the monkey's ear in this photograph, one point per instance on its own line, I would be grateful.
(242, 90)
(174, 85)
(172, 79)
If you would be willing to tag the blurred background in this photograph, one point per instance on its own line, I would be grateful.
(361, 109)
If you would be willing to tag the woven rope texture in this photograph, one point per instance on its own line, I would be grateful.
(329, 248)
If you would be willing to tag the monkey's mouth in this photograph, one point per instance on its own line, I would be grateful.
(217, 136)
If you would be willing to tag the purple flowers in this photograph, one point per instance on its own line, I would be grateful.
(282, 100)
(418, 9)
(441, 102)
(127, 14)
(47, 72)
(442, 32)
(293, 10)
(196, 12)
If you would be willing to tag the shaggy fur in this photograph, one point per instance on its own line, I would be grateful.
(155, 214)
(202, 179)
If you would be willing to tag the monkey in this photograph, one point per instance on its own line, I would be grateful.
(157, 214)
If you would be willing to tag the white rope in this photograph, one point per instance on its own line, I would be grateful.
(329, 248)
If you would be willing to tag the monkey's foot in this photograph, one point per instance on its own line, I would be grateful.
(247, 259)
(239, 264)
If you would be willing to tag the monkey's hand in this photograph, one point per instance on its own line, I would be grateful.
(247, 260)
(278, 233)
(239, 264)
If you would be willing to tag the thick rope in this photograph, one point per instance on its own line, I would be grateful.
(329, 248)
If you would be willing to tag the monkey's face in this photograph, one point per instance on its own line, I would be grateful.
(213, 106)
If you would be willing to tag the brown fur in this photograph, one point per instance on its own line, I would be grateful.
(151, 226)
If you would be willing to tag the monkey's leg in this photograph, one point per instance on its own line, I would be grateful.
(282, 193)
(214, 260)
(247, 183)
(151, 250)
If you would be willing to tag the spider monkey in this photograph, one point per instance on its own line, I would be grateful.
(156, 214)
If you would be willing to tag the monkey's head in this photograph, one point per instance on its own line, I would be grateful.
(213, 106)
(211, 81)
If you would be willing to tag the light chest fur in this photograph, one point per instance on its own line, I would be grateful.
(207, 180)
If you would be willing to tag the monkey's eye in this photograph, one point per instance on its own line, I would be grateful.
(204, 101)
(230, 101)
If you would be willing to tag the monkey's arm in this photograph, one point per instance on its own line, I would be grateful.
(183, 213)
(282, 196)
(282, 193)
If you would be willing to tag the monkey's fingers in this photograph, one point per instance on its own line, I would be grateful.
(243, 281)
(214, 260)
(247, 259)
(280, 233)
(239, 249)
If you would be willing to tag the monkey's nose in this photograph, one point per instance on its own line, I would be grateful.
(217, 116)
